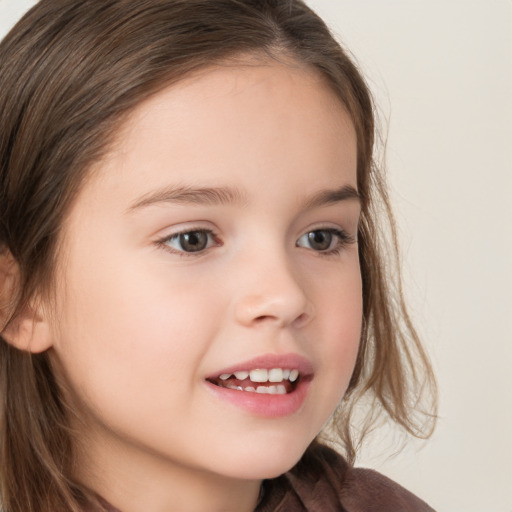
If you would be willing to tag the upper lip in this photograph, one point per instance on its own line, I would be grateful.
(269, 361)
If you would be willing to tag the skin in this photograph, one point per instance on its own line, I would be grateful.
(138, 325)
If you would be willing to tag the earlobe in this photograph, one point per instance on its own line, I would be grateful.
(28, 330)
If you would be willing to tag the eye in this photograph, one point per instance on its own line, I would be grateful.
(328, 240)
(190, 241)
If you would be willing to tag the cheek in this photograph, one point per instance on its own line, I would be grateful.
(341, 311)
(126, 333)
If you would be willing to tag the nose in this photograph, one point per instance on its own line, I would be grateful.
(272, 295)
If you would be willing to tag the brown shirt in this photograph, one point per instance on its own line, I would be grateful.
(323, 482)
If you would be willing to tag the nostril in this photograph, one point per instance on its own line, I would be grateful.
(301, 319)
(263, 318)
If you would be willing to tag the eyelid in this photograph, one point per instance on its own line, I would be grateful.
(344, 239)
(162, 242)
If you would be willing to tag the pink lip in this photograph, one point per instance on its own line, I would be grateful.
(268, 361)
(263, 405)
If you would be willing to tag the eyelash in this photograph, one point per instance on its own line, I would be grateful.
(343, 239)
(164, 242)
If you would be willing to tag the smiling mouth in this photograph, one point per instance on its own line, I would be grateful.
(274, 381)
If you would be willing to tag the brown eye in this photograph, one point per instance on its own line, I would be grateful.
(319, 240)
(193, 241)
(190, 241)
(327, 240)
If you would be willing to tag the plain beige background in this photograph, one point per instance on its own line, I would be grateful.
(442, 74)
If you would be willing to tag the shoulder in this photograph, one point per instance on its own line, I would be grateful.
(325, 479)
(365, 490)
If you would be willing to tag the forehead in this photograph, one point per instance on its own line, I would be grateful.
(258, 116)
(248, 96)
(249, 74)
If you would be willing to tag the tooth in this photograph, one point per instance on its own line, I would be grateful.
(281, 390)
(225, 376)
(294, 374)
(241, 375)
(231, 386)
(262, 389)
(272, 390)
(286, 374)
(250, 389)
(275, 375)
(259, 375)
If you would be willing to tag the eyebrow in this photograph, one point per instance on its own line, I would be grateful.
(191, 195)
(212, 196)
(327, 197)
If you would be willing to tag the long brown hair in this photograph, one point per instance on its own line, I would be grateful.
(70, 71)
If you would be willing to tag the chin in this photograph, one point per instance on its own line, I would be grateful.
(265, 471)
(271, 461)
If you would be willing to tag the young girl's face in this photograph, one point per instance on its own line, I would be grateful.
(215, 246)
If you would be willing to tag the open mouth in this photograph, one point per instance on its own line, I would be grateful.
(274, 381)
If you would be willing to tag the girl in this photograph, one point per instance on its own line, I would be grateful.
(193, 287)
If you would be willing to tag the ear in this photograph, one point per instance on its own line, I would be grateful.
(29, 329)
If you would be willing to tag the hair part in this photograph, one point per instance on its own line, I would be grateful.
(71, 71)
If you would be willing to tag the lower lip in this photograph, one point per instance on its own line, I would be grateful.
(264, 405)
